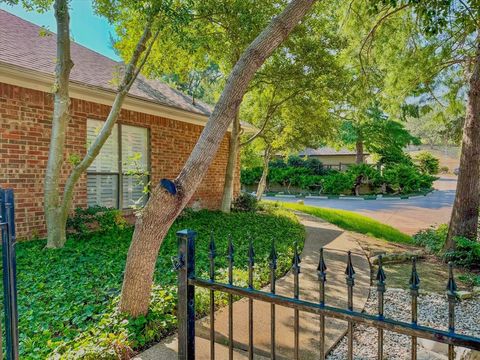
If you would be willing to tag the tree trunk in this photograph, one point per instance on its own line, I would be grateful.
(233, 149)
(262, 184)
(359, 151)
(61, 116)
(464, 219)
(163, 208)
(57, 207)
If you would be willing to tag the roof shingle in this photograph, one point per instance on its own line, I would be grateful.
(22, 45)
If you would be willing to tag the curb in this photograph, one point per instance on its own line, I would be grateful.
(364, 197)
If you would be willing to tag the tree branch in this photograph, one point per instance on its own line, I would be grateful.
(374, 29)
(131, 72)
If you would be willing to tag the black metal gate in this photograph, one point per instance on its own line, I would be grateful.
(187, 281)
(7, 226)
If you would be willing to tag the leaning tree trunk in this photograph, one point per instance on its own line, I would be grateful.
(230, 171)
(464, 219)
(54, 217)
(359, 151)
(262, 184)
(163, 207)
(57, 207)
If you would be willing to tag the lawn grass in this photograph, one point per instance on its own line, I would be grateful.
(349, 220)
(67, 298)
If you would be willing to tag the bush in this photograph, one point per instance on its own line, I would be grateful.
(84, 222)
(288, 176)
(427, 163)
(295, 161)
(470, 279)
(337, 183)
(315, 166)
(245, 202)
(277, 163)
(466, 253)
(251, 176)
(432, 239)
(309, 174)
(310, 182)
(371, 175)
(405, 179)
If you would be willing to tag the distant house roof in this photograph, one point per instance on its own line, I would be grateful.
(324, 151)
(22, 46)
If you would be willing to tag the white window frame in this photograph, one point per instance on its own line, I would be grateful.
(120, 174)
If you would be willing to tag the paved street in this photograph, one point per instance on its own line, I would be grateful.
(408, 215)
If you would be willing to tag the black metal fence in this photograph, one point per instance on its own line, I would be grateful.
(7, 226)
(187, 281)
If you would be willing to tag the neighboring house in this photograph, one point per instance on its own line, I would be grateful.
(333, 158)
(156, 131)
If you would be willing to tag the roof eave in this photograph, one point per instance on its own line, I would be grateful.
(31, 79)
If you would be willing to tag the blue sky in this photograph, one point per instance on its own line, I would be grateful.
(87, 28)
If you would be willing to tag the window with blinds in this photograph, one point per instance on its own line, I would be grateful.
(118, 177)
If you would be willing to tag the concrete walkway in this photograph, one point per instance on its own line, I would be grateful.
(319, 233)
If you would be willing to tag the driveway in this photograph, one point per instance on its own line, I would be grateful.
(408, 215)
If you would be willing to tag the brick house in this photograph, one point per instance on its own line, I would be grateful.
(156, 131)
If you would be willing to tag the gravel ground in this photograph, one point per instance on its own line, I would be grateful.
(432, 311)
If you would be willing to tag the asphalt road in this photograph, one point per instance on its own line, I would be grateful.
(408, 215)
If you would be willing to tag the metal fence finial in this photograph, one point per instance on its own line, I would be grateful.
(322, 267)
(350, 271)
(451, 285)
(381, 277)
(414, 278)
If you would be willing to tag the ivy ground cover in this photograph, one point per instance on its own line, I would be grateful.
(67, 298)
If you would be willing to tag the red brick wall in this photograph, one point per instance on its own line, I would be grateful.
(25, 125)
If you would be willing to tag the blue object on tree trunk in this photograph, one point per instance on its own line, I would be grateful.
(169, 186)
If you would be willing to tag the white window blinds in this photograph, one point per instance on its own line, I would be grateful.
(127, 145)
(107, 159)
(134, 149)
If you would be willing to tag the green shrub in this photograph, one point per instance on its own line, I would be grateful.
(309, 174)
(432, 239)
(289, 176)
(405, 179)
(427, 163)
(251, 176)
(310, 182)
(371, 175)
(470, 279)
(83, 222)
(337, 183)
(245, 202)
(295, 161)
(315, 166)
(277, 163)
(466, 253)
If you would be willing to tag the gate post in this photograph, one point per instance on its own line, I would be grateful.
(186, 295)
(7, 221)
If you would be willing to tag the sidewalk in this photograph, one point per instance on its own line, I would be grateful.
(319, 233)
